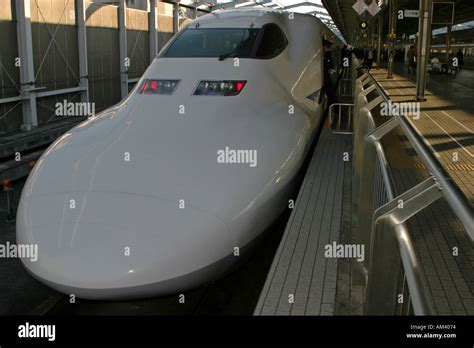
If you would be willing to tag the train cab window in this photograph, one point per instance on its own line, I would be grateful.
(272, 43)
(213, 42)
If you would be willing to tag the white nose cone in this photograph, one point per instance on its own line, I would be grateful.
(93, 251)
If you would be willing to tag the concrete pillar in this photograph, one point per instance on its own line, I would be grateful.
(424, 38)
(392, 30)
(175, 17)
(379, 39)
(124, 61)
(82, 42)
(27, 73)
(153, 30)
(195, 13)
(448, 42)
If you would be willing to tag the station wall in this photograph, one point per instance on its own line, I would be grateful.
(56, 61)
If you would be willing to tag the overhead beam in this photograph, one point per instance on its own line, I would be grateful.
(204, 2)
(256, 3)
(238, 2)
(304, 3)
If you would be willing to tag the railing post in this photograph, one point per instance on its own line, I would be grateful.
(360, 124)
(390, 242)
(365, 208)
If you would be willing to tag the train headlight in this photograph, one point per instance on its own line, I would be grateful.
(223, 88)
(166, 87)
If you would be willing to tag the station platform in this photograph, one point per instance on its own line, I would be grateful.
(446, 121)
(446, 125)
(302, 281)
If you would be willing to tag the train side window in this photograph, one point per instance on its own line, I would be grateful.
(272, 42)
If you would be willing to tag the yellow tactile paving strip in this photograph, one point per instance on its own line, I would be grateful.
(445, 126)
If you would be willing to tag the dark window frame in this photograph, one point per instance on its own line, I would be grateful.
(252, 55)
(260, 38)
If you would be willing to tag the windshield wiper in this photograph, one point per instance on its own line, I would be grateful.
(234, 51)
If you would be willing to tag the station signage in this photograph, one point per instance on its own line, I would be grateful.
(360, 7)
(412, 13)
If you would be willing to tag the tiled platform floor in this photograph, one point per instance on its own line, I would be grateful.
(300, 270)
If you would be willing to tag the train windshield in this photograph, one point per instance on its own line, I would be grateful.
(213, 42)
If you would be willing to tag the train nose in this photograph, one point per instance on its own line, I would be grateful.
(111, 245)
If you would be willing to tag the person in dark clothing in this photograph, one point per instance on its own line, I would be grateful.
(460, 57)
(411, 60)
(328, 66)
(369, 58)
(346, 57)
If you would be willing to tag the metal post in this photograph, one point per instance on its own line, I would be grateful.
(82, 42)
(124, 63)
(152, 30)
(390, 242)
(452, 193)
(361, 123)
(379, 40)
(27, 73)
(392, 29)
(448, 42)
(366, 186)
(175, 18)
(365, 175)
(424, 38)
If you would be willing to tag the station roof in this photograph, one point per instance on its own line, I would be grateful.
(312, 7)
(347, 19)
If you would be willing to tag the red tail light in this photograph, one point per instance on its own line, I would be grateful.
(222, 88)
(158, 86)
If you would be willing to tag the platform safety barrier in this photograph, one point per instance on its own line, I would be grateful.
(340, 114)
(379, 214)
(340, 118)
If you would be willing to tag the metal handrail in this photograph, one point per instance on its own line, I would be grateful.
(386, 173)
(386, 215)
(439, 184)
(456, 199)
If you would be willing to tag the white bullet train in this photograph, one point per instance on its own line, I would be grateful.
(154, 195)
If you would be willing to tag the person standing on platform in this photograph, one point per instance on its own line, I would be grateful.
(328, 69)
(460, 57)
(411, 60)
(369, 58)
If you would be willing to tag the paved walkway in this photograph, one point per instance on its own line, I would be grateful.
(448, 129)
(302, 280)
(446, 126)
